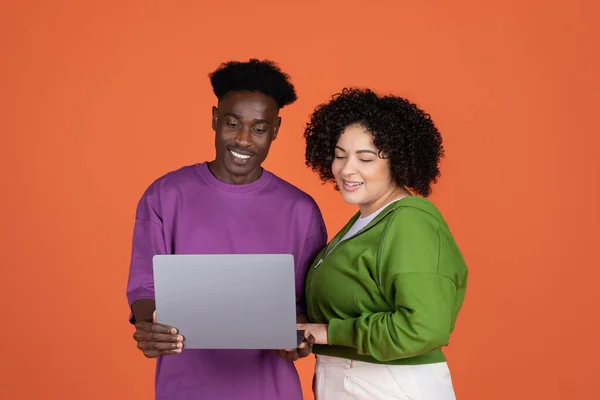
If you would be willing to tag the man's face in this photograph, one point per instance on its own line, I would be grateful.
(245, 124)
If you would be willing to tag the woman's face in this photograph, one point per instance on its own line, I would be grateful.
(363, 177)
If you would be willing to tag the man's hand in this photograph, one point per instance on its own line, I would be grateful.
(156, 340)
(303, 350)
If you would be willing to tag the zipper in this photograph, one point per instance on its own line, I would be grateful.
(352, 237)
(327, 252)
(312, 282)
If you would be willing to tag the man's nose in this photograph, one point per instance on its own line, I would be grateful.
(244, 137)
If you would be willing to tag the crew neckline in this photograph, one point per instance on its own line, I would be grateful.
(212, 180)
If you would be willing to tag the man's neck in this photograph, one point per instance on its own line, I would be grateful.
(221, 173)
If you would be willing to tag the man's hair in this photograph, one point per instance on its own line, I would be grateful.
(253, 76)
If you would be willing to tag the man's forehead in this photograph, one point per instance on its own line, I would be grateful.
(248, 105)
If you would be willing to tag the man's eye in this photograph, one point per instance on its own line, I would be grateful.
(366, 160)
(232, 124)
(339, 157)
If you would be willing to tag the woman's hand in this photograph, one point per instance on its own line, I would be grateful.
(318, 331)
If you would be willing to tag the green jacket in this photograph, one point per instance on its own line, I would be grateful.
(391, 293)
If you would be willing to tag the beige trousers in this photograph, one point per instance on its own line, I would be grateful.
(342, 379)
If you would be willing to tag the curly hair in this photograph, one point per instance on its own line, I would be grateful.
(402, 132)
(254, 76)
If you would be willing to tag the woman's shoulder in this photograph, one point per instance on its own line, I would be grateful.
(415, 213)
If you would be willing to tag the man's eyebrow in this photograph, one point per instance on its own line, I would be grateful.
(256, 121)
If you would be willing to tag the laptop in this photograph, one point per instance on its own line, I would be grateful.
(228, 301)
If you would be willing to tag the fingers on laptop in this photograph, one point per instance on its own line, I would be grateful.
(291, 355)
(154, 327)
(308, 337)
(142, 336)
(156, 340)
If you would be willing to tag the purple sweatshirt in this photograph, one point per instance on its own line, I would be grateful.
(190, 211)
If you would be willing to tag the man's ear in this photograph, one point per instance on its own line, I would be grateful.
(215, 117)
(276, 128)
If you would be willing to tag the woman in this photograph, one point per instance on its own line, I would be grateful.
(384, 294)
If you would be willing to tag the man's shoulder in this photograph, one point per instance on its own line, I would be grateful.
(185, 173)
(173, 180)
(291, 191)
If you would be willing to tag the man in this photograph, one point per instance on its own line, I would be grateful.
(229, 205)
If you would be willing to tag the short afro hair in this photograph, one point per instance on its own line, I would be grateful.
(253, 76)
(402, 132)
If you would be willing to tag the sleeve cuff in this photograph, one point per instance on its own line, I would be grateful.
(341, 332)
(137, 296)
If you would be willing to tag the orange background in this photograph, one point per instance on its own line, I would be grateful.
(100, 98)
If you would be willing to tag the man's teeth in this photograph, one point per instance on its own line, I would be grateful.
(353, 184)
(238, 155)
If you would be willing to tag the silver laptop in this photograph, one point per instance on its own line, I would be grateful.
(228, 301)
